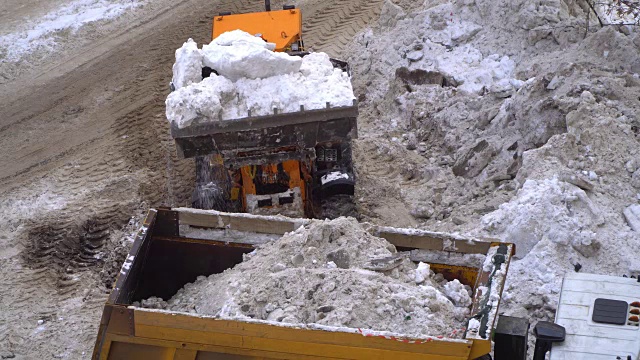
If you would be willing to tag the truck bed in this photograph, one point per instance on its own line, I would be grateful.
(164, 258)
(301, 130)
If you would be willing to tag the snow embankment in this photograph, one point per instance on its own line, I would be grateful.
(548, 209)
(252, 80)
(437, 42)
(46, 33)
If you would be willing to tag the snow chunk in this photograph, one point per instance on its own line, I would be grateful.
(237, 54)
(455, 291)
(547, 209)
(205, 98)
(312, 82)
(313, 86)
(422, 272)
(632, 215)
(187, 69)
(233, 37)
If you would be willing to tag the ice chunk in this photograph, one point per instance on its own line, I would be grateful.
(455, 291)
(237, 54)
(205, 98)
(422, 272)
(187, 69)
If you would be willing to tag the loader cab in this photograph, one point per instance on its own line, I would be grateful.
(281, 27)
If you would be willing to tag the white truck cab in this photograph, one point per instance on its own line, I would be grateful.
(600, 315)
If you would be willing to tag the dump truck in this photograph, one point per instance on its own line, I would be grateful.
(283, 163)
(167, 254)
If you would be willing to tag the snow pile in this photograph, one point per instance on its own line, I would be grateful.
(539, 148)
(436, 40)
(317, 275)
(546, 210)
(14, 46)
(475, 73)
(252, 80)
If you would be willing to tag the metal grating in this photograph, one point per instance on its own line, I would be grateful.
(331, 155)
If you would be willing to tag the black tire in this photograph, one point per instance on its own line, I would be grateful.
(339, 205)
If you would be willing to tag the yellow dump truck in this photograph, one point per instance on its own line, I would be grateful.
(165, 256)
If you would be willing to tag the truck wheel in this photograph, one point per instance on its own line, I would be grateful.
(339, 205)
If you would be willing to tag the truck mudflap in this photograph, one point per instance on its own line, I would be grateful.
(165, 256)
(271, 134)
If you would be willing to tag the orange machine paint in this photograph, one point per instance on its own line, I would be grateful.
(291, 167)
(282, 27)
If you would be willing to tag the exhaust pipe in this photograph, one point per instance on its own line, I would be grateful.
(546, 334)
(267, 5)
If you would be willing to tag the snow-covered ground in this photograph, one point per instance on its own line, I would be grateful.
(44, 33)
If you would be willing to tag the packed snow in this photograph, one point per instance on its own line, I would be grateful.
(42, 34)
(236, 55)
(187, 69)
(506, 119)
(318, 275)
(252, 80)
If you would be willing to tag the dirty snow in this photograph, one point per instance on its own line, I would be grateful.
(43, 33)
(316, 275)
(547, 210)
(509, 120)
(252, 81)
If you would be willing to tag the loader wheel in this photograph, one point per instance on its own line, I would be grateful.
(336, 206)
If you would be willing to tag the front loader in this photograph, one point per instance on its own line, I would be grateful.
(283, 163)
